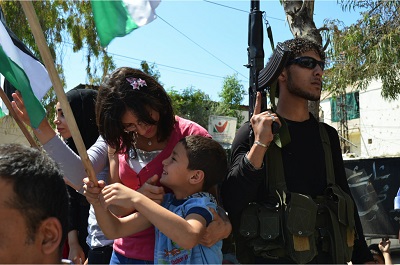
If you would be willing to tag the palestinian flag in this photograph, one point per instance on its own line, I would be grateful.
(120, 17)
(20, 67)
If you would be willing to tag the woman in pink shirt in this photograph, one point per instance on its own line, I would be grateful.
(135, 118)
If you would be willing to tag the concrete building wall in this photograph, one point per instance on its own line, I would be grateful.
(379, 123)
(10, 132)
(377, 132)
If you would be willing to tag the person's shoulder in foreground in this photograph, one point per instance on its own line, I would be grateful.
(33, 203)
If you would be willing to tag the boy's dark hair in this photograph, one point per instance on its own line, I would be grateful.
(117, 95)
(39, 188)
(207, 155)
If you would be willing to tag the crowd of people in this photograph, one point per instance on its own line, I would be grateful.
(159, 178)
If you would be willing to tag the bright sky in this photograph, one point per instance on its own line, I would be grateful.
(198, 43)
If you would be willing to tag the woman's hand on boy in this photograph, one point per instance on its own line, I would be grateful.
(217, 230)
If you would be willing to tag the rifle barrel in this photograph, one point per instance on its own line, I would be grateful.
(255, 51)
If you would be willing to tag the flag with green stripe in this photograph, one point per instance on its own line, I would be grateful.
(2, 114)
(20, 67)
(120, 17)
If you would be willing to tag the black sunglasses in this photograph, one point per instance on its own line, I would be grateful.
(307, 62)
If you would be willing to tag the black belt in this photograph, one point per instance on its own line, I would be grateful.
(102, 248)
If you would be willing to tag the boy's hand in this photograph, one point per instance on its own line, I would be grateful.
(91, 192)
(151, 190)
(119, 195)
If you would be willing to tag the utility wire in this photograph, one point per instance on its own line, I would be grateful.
(158, 64)
(172, 67)
(234, 8)
(218, 4)
(201, 46)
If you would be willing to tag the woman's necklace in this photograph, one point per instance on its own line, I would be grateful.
(149, 142)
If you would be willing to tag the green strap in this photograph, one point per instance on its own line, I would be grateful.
(330, 173)
(275, 171)
(283, 137)
(338, 251)
(272, 92)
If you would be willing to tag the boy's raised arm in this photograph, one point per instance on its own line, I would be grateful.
(112, 226)
(185, 232)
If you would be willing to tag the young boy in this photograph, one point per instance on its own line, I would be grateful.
(195, 165)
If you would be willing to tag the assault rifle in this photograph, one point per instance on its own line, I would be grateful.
(262, 78)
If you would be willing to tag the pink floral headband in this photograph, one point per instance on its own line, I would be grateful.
(136, 83)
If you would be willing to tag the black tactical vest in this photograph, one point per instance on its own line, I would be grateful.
(295, 226)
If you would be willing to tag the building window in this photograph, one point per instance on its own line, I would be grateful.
(345, 107)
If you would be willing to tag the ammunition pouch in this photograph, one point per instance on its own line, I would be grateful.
(301, 217)
(300, 226)
(261, 227)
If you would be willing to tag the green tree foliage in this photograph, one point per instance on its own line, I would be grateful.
(65, 24)
(192, 104)
(231, 95)
(366, 50)
(151, 70)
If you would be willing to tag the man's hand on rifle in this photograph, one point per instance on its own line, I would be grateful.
(262, 123)
(263, 136)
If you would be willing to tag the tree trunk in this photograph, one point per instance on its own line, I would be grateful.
(299, 15)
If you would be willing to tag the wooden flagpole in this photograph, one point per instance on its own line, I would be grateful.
(55, 79)
(21, 125)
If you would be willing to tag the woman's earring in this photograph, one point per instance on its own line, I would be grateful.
(132, 151)
(135, 137)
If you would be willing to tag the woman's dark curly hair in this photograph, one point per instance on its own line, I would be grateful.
(116, 96)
